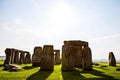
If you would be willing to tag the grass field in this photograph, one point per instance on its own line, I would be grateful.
(32, 73)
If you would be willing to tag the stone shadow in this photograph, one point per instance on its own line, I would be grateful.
(100, 74)
(39, 75)
(76, 75)
(28, 67)
(1, 65)
(72, 75)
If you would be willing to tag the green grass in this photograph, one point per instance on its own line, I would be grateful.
(32, 73)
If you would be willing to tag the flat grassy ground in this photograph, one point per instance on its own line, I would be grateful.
(32, 73)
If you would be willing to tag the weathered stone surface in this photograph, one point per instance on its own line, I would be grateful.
(36, 57)
(78, 56)
(87, 58)
(16, 58)
(22, 57)
(11, 67)
(112, 60)
(68, 58)
(27, 59)
(13, 55)
(72, 54)
(76, 42)
(57, 56)
(47, 62)
(8, 53)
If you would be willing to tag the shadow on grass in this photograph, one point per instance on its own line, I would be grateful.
(28, 67)
(1, 65)
(39, 75)
(78, 75)
(72, 75)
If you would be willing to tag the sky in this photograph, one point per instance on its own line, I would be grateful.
(25, 24)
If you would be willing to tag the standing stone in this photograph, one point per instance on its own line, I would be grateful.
(8, 53)
(16, 58)
(87, 59)
(12, 55)
(36, 57)
(68, 58)
(72, 54)
(57, 56)
(22, 57)
(27, 59)
(78, 56)
(112, 60)
(47, 62)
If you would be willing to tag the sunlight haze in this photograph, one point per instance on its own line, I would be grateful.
(25, 24)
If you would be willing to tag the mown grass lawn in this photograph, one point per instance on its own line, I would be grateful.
(33, 73)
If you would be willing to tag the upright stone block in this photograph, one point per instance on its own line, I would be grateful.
(47, 62)
(78, 56)
(22, 57)
(8, 52)
(57, 56)
(112, 60)
(36, 57)
(68, 58)
(27, 59)
(87, 59)
(12, 55)
(16, 58)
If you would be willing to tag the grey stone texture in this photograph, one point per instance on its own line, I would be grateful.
(47, 62)
(36, 57)
(57, 56)
(87, 59)
(73, 55)
(112, 60)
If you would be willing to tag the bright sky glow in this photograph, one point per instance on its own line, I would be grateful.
(25, 24)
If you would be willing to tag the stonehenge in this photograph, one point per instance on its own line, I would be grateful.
(16, 56)
(74, 54)
(36, 57)
(111, 59)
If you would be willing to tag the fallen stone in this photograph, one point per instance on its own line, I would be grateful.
(11, 67)
(96, 64)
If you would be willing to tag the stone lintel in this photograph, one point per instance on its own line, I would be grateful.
(76, 42)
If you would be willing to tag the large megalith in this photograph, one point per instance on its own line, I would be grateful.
(22, 57)
(57, 56)
(36, 57)
(72, 54)
(47, 62)
(12, 55)
(112, 60)
(68, 58)
(16, 57)
(8, 52)
(87, 59)
(27, 59)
